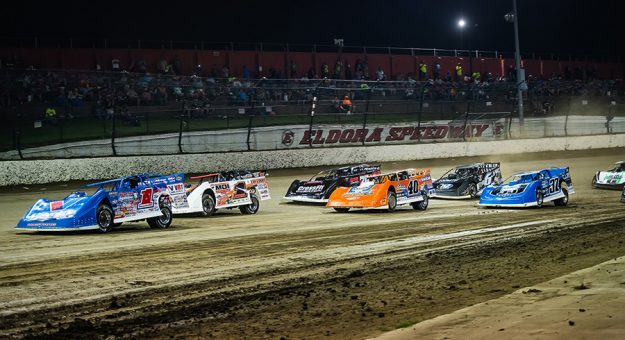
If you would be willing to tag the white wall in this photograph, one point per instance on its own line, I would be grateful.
(45, 171)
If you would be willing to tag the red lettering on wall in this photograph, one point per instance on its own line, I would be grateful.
(479, 129)
(393, 134)
(375, 136)
(346, 136)
(333, 136)
(306, 139)
(318, 139)
(360, 135)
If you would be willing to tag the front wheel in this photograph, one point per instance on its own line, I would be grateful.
(562, 202)
(421, 205)
(252, 208)
(104, 217)
(163, 221)
(539, 198)
(391, 199)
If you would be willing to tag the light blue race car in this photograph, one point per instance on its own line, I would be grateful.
(530, 189)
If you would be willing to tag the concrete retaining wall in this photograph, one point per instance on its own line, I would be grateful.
(46, 171)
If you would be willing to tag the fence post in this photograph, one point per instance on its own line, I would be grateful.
(17, 142)
(249, 131)
(312, 116)
(421, 97)
(466, 121)
(180, 132)
(364, 118)
(566, 118)
(113, 134)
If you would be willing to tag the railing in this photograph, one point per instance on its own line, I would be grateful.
(71, 42)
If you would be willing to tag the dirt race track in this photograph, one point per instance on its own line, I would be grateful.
(298, 271)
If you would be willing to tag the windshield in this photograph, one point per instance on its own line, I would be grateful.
(522, 178)
(619, 168)
(457, 173)
(326, 174)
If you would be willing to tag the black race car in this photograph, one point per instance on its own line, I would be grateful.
(466, 181)
(319, 187)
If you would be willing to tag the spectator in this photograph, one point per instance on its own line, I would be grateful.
(436, 70)
(346, 105)
(348, 72)
(380, 74)
(325, 70)
(458, 72)
(176, 65)
(115, 65)
(247, 73)
(338, 69)
(50, 116)
(423, 70)
(225, 72)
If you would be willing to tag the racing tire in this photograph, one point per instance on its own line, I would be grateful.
(421, 205)
(341, 210)
(594, 181)
(252, 208)
(539, 198)
(472, 190)
(104, 216)
(391, 201)
(163, 221)
(208, 205)
(562, 202)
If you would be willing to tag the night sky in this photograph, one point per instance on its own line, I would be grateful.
(556, 26)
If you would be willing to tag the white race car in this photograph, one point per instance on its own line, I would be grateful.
(610, 179)
(225, 190)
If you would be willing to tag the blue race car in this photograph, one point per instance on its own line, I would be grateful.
(530, 189)
(112, 202)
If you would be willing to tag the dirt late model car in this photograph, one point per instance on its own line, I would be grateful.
(466, 181)
(319, 188)
(385, 191)
(530, 189)
(610, 179)
(225, 190)
(132, 198)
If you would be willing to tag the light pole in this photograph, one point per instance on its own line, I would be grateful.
(520, 74)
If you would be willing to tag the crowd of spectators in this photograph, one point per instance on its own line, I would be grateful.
(105, 93)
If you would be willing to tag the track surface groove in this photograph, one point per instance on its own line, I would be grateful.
(298, 271)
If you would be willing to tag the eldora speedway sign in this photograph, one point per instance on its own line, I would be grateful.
(389, 134)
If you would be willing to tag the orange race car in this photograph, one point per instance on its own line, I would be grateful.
(385, 191)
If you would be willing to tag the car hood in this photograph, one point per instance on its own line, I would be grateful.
(46, 210)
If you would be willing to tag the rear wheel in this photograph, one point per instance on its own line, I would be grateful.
(562, 202)
(341, 210)
(252, 208)
(163, 221)
(391, 199)
(472, 190)
(421, 205)
(539, 198)
(208, 205)
(104, 217)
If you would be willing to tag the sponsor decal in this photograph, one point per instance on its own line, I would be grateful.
(223, 186)
(56, 205)
(309, 189)
(288, 137)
